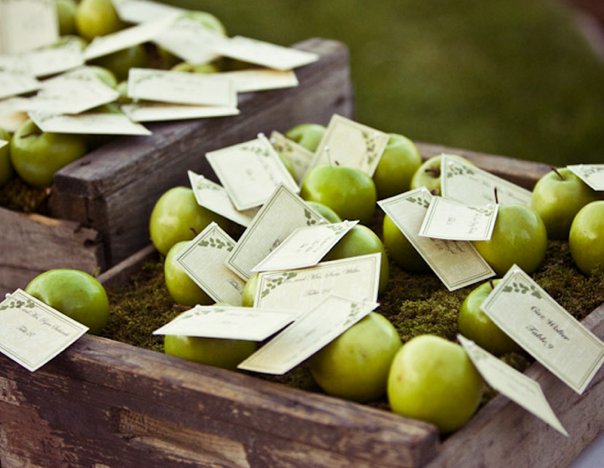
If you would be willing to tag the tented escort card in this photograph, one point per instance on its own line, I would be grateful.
(143, 11)
(88, 123)
(247, 81)
(54, 59)
(157, 111)
(591, 174)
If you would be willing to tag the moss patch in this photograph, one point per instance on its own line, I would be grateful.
(16, 195)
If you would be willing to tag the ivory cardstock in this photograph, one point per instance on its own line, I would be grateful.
(534, 320)
(93, 123)
(468, 184)
(54, 59)
(247, 81)
(456, 263)
(311, 332)
(157, 111)
(282, 214)
(26, 25)
(13, 83)
(300, 157)
(33, 333)
(143, 11)
(3, 143)
(591, 174)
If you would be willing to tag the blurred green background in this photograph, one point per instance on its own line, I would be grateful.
(512, 77)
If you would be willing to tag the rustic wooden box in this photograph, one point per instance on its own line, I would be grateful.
(105, 404)
(100, 205)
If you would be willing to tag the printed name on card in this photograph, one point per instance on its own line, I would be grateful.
(156, 111)
(33, 333)
(534, 320)
(468, 184)
(456, 263)
(591, 174)
(311, 332)
(300, 157)
(89, 123)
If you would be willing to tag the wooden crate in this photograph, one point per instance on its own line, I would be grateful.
(100, 205)
(105, 404)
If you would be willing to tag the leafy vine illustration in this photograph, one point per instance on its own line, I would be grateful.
(481, 210)
(523, 289)
(147, 77)
(200, 313)
(310, 220)
(337, 228)
(370, 145)
(256, 150)
(17, 304)
(421, 201)
(216, 243)
(353, 313)
(207, 185)
(282, 146)
(278, 280)
(591, 170)
(459, 170)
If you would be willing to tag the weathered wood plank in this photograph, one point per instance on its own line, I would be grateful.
(32, 244)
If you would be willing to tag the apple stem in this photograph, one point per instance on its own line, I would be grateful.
(557, 172)
(29, 134)
(194, 231)
(496, 196)
(492, 284)
(434, 171)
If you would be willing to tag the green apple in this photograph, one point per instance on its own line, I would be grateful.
(474, 324)
(433, 380)
(355, 365)
(399, 162)
(586, 238)
(37, 155)
(181, 287)
(400, 249)
(248, 297)
(557, 197)
(208, 20)
(6, 168)
(74, 293)
(176, 215)
(105, 75)
(361, 240)
(97, 18)
(287, 162)
(325, 211)
(120, 62)
(519, 237)
(71, 39)
(308, 135)
(204, 68)
(428, 174)
(66, 11)
(122, 88)
(348, 191)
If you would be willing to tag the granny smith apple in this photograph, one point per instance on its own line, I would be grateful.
(181, 287)
(308, 135)
(66, 11)
(399, 162)
(248, 297)
(348, 191)
(557, 197)
(105, 75)
(6, 168)
(80, 42)
(176, 215)
(122, 88)
(433, 380)
(74, 293)
(120, 62)
(519, 237)
(355, 365)
(207, 20)
(37, 155)
(586, 238)
(474, 324)
(325, 211)
(400, 249)
(361, 240)
(204, 68)
(428, 174)
(97, 18)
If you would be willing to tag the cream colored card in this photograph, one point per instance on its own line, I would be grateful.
(448, 219)
(215, 198)
(180, 88)
(468, 184)
(349, 143)
(71, 93)
(305, 247)
(591, 174)
(203, 260)
(13, 83)
(27, 24)
(3, 143)
(356, 278)
(250, 172)
(532, 318)
(282, 214)
(519, 388)
(10, 118)
(88, 123)
(33, 333)
(263, 53)
(300, 157)
(311, 332)
(157, 112)
(143, 11)
(456, 263)
(234, 323)
(54, 59)
(247, 81)
(129, 37)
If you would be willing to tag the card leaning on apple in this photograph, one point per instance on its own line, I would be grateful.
(591, 174)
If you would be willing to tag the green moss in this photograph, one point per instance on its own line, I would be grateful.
(16, 195)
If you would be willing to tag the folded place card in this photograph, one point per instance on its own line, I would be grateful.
(456, 263)
(519, 388)
(300, 157)
(143, 11)
(92, 123)
(227, 322)
(468, 184)
(448, 219)
(247, 81)
(3, 143)
(534, 320)
(27, 24)
(203, 261)
(591, 174)
(54, 59)
(180, 88)
(349, 143)
(33, 333)
(215, 198)
(13, 83)
(305, 247)
(311, 332)
(250, 172)
(157, 112)
(355, 278)
(282, 214)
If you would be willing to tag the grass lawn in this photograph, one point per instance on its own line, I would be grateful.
(509, 77)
